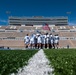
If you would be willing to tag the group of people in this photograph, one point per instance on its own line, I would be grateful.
(41, 41)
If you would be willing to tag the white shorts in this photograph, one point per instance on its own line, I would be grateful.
(51, 41)
(31, 42)
(39, 41)
(27, 42)
(56, 41)
(47, 41)
(43, 42)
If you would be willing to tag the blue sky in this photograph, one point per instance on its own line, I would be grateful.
(37, 8)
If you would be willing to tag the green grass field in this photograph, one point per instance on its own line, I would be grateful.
(62, 60)
(11, 60)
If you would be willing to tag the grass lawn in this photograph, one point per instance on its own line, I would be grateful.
(11, 60)
(62, 60)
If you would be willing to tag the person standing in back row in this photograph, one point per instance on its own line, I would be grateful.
(51, 40)
(32, 42)
(39, 41)
(47, 40)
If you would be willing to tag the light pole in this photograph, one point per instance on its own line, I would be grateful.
(7, 12)
(69, 13)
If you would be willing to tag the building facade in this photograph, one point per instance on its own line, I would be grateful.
(38, 20)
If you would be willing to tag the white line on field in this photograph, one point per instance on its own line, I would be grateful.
(37, 65)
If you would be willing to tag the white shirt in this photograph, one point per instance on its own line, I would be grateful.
(56, 37)
(27, 38)
(51, 37)
(39, 39)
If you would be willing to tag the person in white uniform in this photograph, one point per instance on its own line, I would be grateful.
(35, 40)
(51, 40)
(32, 42)
(56, 41)
(39, 41)
(43, 40)
(47, 40)
(27, 41)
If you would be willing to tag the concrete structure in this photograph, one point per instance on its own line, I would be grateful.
(38, 20)
(13, 36)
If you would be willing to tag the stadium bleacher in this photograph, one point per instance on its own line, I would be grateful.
(13, 36)
(12, 43)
